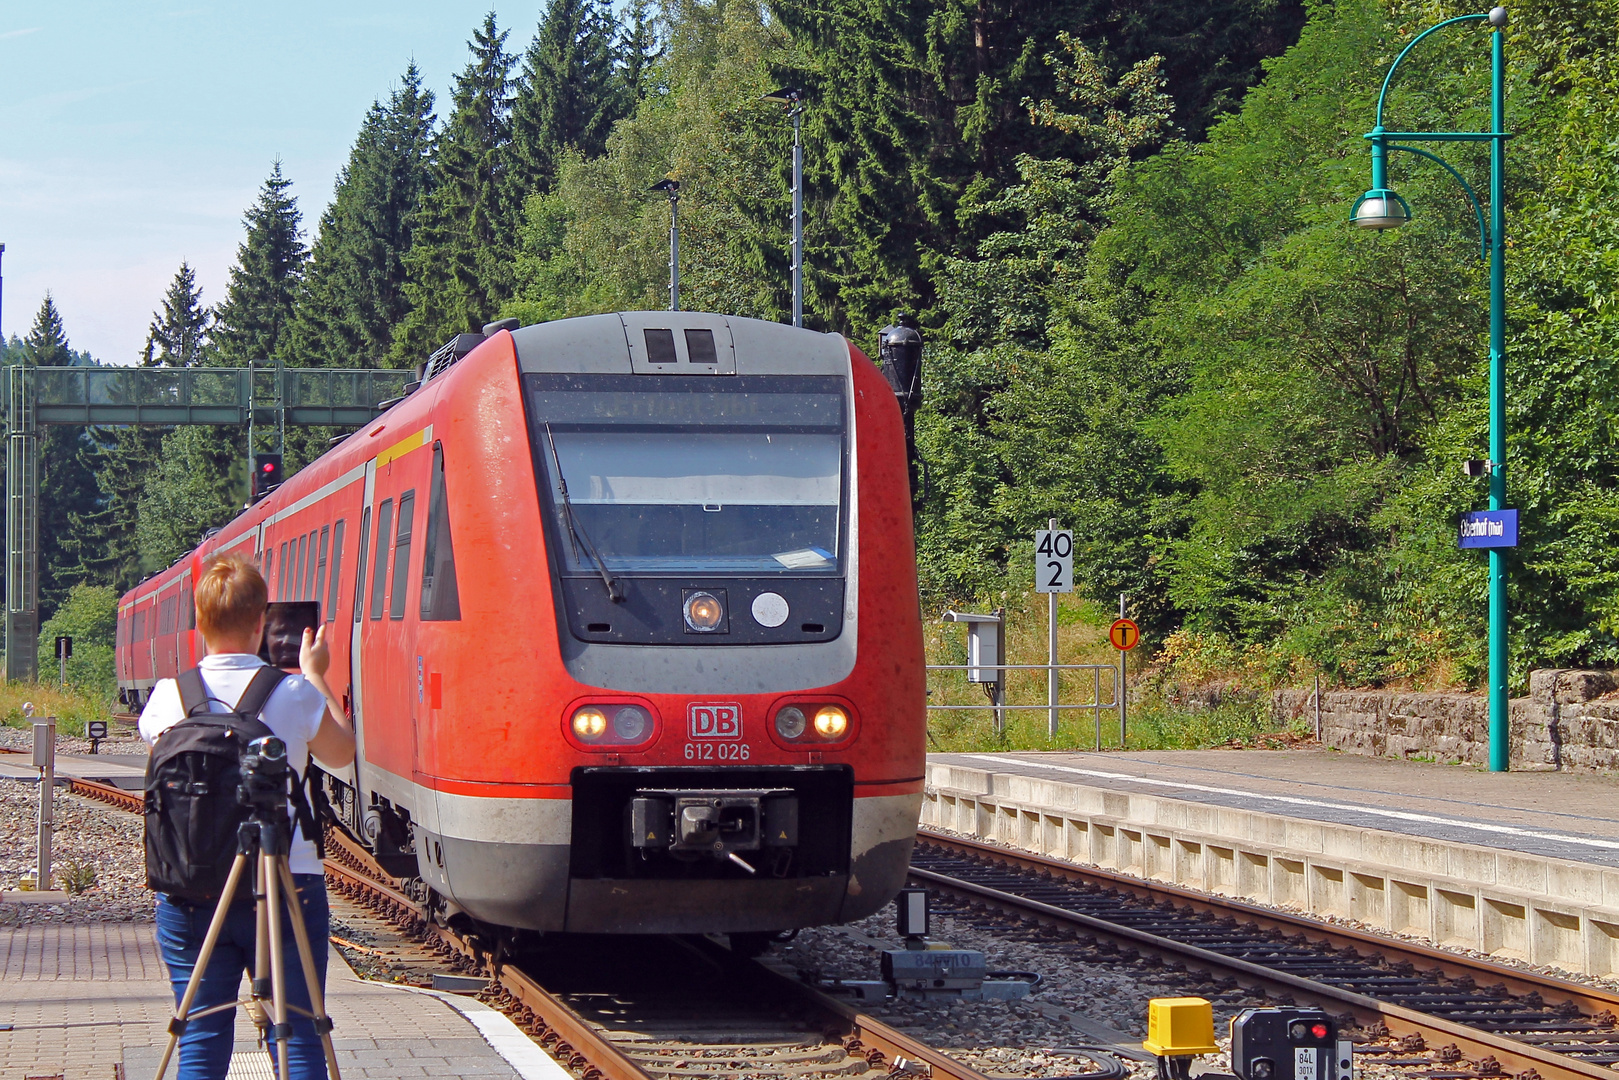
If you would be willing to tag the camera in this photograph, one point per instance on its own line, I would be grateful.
(264, 775)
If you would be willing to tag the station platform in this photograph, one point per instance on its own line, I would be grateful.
(92, 1002)
(1522, 866)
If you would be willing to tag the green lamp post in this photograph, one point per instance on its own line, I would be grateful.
(1383, 208)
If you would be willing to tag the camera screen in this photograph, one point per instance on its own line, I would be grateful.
(284, 625)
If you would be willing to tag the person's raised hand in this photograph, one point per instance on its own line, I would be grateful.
(314, 657)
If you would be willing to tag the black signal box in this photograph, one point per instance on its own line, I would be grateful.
(1289, 1044)
(266, 474)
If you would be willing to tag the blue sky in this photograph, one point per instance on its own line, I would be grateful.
(134, 135)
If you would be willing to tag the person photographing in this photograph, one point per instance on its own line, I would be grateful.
(186, 863)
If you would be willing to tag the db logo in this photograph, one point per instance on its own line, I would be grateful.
(715, 720)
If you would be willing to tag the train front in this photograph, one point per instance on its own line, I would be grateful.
(739, 709)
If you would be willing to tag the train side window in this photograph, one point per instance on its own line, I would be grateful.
(281, 591)
(319, 576)
(297, 568)
(309, 572)
(407, 514)
(441, 599)
(188, 610)
(359, 576)
(165, 616)
(269, 565)
(337, 570)
(140, 625)
(379, 556)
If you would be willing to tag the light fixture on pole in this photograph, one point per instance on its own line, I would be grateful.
(793, 98)
(672, 188)
(1381, 208)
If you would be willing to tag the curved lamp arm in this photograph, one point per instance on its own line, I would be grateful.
(1392, 67)
(1472, 198)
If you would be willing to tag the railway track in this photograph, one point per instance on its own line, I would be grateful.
(1501, 1019)
(712, 1014)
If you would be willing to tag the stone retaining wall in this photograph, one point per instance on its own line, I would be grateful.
(1570, 721)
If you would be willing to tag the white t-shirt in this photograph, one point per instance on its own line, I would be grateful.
(294, 712)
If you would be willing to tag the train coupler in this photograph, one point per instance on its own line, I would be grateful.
(719, 823)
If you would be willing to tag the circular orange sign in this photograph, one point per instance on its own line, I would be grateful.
(1124, 634)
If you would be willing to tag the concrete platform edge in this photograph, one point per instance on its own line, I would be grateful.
(519, 1051)
(1548, 911)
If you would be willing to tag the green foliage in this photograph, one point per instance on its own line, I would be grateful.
(352, 296)
(568, 96)
(89, 615)
(257, 310)
(458, 269)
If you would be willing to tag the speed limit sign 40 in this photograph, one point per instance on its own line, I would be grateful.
(1053, 560)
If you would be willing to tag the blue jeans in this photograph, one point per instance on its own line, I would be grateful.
(205, 1048)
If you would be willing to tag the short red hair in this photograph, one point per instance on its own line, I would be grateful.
(231, 596)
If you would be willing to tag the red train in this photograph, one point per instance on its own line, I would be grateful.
(625, 612)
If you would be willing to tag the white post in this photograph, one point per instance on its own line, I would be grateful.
(1051, 671)
(45, 762)
(798, 216)
(1317, 696)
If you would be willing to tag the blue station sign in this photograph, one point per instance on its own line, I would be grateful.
(1489, 529)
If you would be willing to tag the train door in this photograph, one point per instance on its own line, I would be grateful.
(186, 647)
(125, 649)
(357, 680)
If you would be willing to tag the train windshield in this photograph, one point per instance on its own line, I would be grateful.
(733, 476)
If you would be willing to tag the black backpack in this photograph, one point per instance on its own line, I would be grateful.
(192, 812)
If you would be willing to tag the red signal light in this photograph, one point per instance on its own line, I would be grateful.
(1318, 1030)
(269, 467)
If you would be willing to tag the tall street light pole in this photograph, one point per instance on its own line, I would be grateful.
(672, 189)
(793, 98)
(1382, 208)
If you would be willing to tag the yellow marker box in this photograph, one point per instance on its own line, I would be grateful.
(1180, 1027)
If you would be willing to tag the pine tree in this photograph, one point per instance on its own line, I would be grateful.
(124, 459)
(353, 294)
(178, 336)
(66, 487)
(639, 48)
(269, 266)
(569, 95)
(459, 267)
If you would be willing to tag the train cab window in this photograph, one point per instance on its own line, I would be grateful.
(337, 570)
(407, 512)
(281, 582)
(379, 557)
(319, 576)
(700, 347)
(359, 575)
(441, 599)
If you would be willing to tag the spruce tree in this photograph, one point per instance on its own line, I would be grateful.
(66, 487)
(639, 48)
(459, 268)
(353, 295)
(124, 459)
(257, 310)
(569, 95)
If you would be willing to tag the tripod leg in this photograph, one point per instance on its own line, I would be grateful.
(306, 957)
(204, 955)
(278, 969)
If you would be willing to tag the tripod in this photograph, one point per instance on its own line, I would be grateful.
(263, 840)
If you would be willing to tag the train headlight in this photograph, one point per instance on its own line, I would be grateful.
(704, 611)
(831, 722)
(589, 722)
(790, 722)
(630, 723)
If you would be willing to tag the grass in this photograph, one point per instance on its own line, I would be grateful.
(71, 708)
(1154, 718)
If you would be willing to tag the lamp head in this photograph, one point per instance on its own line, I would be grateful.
(1380, 208)
(1498, 16)
(787, 95)
(670, 186)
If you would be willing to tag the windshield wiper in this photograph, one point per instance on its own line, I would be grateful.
(576, 531)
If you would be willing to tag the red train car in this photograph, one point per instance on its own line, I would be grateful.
(625, 611)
